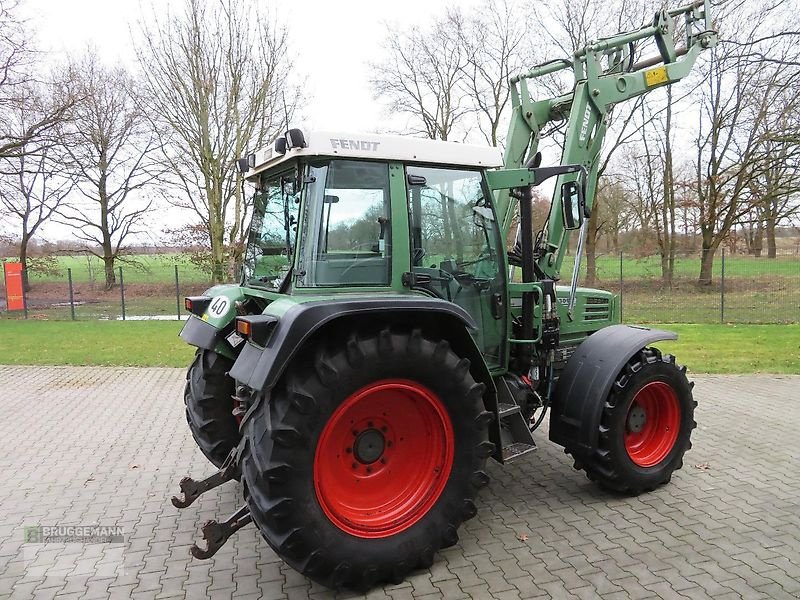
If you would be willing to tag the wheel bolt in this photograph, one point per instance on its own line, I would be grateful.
(369, 469)
(389, 443)
(355, 431)
(383, 461)
(369, 423)
(355, 465)
(384, 429)
(348, 450)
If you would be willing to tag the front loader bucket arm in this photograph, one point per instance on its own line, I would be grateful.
(605, 75)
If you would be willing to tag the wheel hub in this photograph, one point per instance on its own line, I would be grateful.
(637, 418)
(369, 446)
(383, 458)
(653, 423)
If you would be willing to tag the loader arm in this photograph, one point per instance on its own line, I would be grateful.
(606, 74)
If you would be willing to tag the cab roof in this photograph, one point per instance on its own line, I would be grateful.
(336, 144)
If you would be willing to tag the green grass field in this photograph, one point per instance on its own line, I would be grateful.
(106, 343)
(703, 348)
(689, 267)
(159, 268)
(138, 268)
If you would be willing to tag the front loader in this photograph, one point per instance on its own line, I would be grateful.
(383, 343)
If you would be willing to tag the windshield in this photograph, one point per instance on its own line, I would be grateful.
(273, 232)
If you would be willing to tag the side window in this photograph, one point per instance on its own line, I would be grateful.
(452, 223)
(348, 239)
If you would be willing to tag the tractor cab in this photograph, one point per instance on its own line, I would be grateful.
(349, 213)
(323, 213)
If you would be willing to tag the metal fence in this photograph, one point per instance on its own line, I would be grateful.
(744, 289)
(141, 291)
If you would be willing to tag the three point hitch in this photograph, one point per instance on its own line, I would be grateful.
(214, 533)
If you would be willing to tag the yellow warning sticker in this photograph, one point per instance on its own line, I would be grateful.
(655, 76)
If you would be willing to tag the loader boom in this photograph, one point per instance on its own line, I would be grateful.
(606, 73)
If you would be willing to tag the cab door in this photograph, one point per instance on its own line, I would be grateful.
(455, 247)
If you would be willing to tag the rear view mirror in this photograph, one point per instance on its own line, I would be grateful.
(572, 204)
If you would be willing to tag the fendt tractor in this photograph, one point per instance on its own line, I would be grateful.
(384, 341)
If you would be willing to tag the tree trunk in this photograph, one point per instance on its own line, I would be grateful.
(23, 260)
(706, 265)
(772, 249)
(108, 264)
(216, 234)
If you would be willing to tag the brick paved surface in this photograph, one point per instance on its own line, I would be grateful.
(108, 446)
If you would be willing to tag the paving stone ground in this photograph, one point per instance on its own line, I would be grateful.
(108, 445)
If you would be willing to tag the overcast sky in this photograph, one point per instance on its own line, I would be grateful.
(333, 41)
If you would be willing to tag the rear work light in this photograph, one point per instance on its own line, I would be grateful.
(256, 328)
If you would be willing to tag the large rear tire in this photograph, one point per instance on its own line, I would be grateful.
(208, 396)
(366, 458)
(645, 427)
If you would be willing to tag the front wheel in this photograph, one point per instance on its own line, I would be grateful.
(367, 457)
(645, 426)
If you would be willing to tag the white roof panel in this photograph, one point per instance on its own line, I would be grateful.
(383, 147)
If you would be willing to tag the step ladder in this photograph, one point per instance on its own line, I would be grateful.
(515, 432)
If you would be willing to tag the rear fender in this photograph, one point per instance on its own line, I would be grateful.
(587, 379)
(260, 368)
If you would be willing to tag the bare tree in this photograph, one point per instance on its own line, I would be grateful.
(217, 76)
(741, 102)
(32, 186)
(423, 74)
(17, 75)
(111, 157)
(495, 39)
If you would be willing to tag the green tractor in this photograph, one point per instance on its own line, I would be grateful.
(384, 341)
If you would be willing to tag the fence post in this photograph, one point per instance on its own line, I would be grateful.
(71, 294)
(722, 291)
(620, 286)
(177, 294)
(122, 292)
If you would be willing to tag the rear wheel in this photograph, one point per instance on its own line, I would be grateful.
(645, 427)
(367, 457)
(209, 404)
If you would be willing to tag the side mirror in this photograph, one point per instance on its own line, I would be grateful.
(572, 204)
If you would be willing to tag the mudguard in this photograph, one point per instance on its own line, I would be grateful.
(197, 332)
(587, 379)
(259, 368)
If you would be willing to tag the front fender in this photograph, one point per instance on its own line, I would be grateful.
(587, 379)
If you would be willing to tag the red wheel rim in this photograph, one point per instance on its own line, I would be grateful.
(652, 424)
(383, 458)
